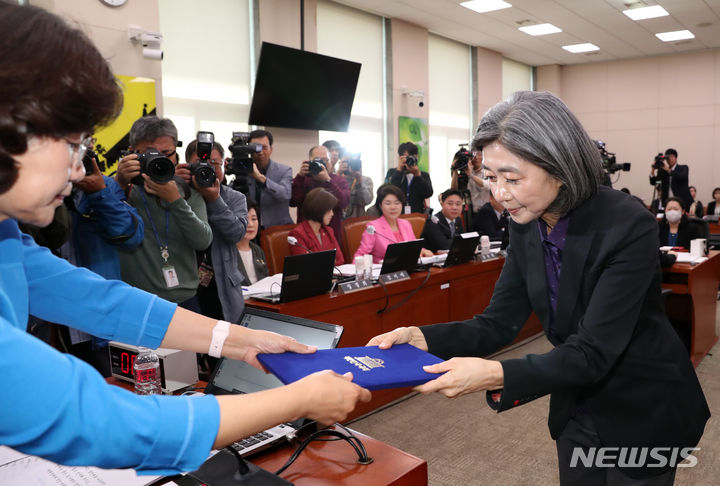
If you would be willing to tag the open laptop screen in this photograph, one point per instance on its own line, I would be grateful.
(235, 376)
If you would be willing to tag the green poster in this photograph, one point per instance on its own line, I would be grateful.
(415, 130)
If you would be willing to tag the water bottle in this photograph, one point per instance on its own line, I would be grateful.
(147, 372)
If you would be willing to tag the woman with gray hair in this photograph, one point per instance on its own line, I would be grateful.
(583, 257)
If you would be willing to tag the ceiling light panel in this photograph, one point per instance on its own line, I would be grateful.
(482, 6)
(586, 47)
(540, 29)
(646, 12)
(675, 35)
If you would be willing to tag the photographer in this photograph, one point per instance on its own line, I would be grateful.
(415, 184)
(467, 178)
(361, 187)
(313, 173)
(270, 183)
(175, 225)
(673, 177)
(334, 150)
(101, 222)
(219, 289)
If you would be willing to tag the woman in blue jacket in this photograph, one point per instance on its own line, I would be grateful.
(55, 88)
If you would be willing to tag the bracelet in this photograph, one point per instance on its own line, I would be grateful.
(219, 334)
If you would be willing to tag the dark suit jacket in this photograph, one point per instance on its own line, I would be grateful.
(437, 233)
(678, 183)
(710, 208)
(687, 232)
(259, 264)
(615, 350)
(420, 188)
(486, 222)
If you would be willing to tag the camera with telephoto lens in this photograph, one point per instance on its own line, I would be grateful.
(609, 162)
(411, 160)
(203, 170)
(659, 161)
(462, 159)
(315, 166)
(156, 165)
(241, 150)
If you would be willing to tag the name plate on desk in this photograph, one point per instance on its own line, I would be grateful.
(354, 286)
(392, 277)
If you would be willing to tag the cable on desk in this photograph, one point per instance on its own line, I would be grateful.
(404, 299)
(351, 439)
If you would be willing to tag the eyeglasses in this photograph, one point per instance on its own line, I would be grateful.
(77, 150)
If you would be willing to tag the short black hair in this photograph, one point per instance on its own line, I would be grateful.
(332, 145)
(450, 192)
(408, 147)
(671, 151)
(261, 134)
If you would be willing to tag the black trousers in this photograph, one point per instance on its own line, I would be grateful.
(580, 432)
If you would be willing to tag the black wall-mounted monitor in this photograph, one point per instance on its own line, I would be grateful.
(300, 89)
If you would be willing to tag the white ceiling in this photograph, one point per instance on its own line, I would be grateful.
(600, 22)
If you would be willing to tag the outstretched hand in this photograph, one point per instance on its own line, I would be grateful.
(256, 342)
(463, 376)
(411, 335)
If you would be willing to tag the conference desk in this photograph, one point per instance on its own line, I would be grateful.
(335, 462)
(449, 294)
(693, 302)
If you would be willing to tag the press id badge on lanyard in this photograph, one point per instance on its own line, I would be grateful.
(171, 279)
(169, 273)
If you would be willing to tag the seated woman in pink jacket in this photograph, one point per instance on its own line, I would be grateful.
(389, 228)
(313, 233)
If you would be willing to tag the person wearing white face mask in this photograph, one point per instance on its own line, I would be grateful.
(675, 227)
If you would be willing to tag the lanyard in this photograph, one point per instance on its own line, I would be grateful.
(164, 249)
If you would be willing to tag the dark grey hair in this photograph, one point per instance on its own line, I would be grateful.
(148, 128)
(538, 127)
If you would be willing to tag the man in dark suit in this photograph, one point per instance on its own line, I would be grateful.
(618, 375)
(673, 178)
(491, 220)
(441, 227)
(415, 184)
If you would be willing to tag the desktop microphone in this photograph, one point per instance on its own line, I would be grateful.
(294, 242)
(371, 230)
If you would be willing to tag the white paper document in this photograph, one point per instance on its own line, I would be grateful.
(18, 468)
(271, 284)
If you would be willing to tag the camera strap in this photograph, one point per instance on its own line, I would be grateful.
(164, 249)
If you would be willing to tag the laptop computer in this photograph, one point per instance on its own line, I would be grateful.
(305, 275)
(462, 249)
(235, 377)
(401, 256)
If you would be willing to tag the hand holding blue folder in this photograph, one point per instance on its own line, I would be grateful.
(372, 368)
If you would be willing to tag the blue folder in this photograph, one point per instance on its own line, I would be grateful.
(372, 368)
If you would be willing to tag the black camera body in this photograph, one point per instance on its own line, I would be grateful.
(609, 161)
(461, 161)
(203, 170)
(355, 164)
(659, 161)
(241, 163)
(315, 166)
(411, 161)
(88, 161)
(156, 165)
